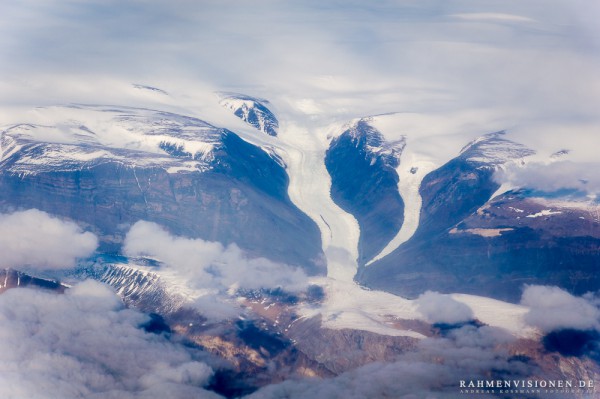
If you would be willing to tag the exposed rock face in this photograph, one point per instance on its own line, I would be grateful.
(270, 344)
(10, 278)
(346, 349)
(364, 183)
(451, 193)
(467, 242)
(461, 186)
(495, 251)
(254, 111)
(227, 190)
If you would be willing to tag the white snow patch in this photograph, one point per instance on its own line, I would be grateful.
(234, 104)
(190, 166)
(178, 283)
(347, 305)
(545, 212)
(498, 314)
(246, 106)
(68, 138)
(589, 205)
(489, 233)
(504, 188)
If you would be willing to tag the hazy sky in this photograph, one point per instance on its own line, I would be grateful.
(349, 57)
(530, 67)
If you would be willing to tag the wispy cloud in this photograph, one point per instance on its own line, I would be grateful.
(492, 17)
(392, 56)
(529, 67)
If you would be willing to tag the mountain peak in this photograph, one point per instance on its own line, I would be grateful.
(494, 149)
(253, 111)
(374, 143)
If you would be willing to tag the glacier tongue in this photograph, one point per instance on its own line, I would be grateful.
(75, 137)
(411, 173)
(301, 146)
(309, 189)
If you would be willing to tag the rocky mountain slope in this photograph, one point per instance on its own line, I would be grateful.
(469, 242)
(364, 183)
(108, 167)
(252, 110)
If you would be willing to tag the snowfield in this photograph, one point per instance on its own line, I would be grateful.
(69, 138)
(499, 314)
(349, 305)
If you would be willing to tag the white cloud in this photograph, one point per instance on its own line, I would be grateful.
(552, 176)
(210, 265)
(552, 308)
(440, 308)
(86, 344)
(35, 239)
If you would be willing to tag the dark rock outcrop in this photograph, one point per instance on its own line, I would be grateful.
(364, 183)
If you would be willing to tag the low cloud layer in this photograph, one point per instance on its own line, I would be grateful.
(440, 308)
(553, 176)
(86, 344)
(552, 308)
(35, 239)
(210, 265)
